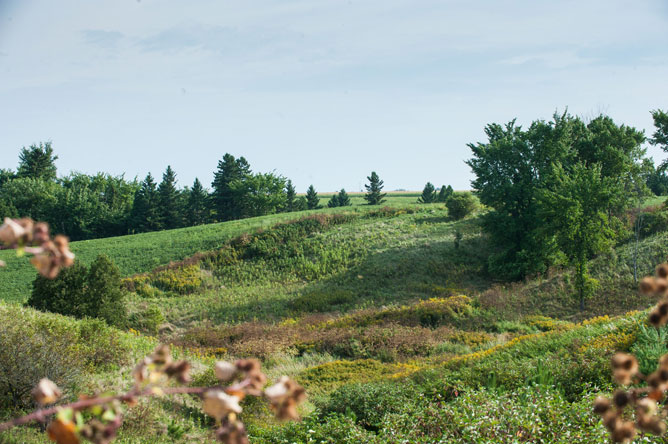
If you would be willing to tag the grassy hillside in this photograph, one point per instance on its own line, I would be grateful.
(386, 315)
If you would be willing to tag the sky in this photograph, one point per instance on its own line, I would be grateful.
(320, 91)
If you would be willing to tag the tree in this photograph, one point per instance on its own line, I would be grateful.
(37, 162)
(333, 201)
(312, 199)
(301, 204)
(259, 194)
(444, 194)
(374, 188)
(103, 290)
(197, 206)
(460, 205)
(575, 208)
(6, 176)
(145, 215)
(660, 136)
(428, 194)
(170, 208)
(225, 202)
(344, 199)
(290, 196)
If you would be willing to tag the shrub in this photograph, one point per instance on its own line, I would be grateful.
(460, 205)
(80, 292)
(147, 320)
(183, 280)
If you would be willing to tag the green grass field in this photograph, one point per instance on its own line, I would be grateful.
(386, 316)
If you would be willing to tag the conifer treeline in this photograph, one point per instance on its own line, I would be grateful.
(92, 206)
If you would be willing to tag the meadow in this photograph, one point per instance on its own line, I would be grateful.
(386, 315)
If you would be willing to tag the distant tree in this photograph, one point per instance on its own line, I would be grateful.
(145, 215)
(6, 176)
(333, 201)
(656, 179)
(290, 196)
(312, 199)
(660, 136)
(374, 187)
(301, 204)
(37, 162)
(444, 194)
(460, 205)
(170, 208)
(428, 194)
(259, 194)
(80, 292)
(225, 201)
(344, 199)
(35, 198)
(197, 205)
(576, 209)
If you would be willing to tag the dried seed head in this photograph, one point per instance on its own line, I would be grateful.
(601, 405)
(621, 398)
(46, 392)
(232, 432)
(651, 424)
(662, 270)
(11, 231)
(647, 285)
(284, 397)
(219, 404)
(179, 370)
(624, 433)
(656, 319)
(62, 432)
(611, 420)
(661, 285)
(161, 355)
(662, 308)
(248, 365)
(140, 372)
(624, 361)
(225, 371)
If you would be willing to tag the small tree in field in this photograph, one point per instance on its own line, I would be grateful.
(373, 190)
(312, 199)
(290, 196)
(428, 194)
(344, 199)
(460, 205)
(444, 194)
(333, 201)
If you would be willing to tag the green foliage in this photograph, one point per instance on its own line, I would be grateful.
(80, 292)
(37, 162)
(312, 199)
(373, 194)
(444, 194)
(340, 199)
(197, 205)
(460, 205)
(660, 136)
(650, 345)
(226, 202)
(145, 210)
(428, 194)
(290, 196)
(258, 194)
(170, 202)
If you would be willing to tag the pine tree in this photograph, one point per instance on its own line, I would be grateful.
(374, 188)
(225, 202)
(197, 205)
(428, 194)
(312, 199)
(144, 216)
(333, 201)
(301, 204)
(290, 196)
(170, 203)
(444, 194)
(38, 162)
(344, 199)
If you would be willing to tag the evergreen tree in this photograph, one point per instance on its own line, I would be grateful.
(226, 203)
(333, 201)
(145, 216)
(428, 194)
(301, 204)
(374, 188)
(37, 162)
(290, 196)
(444, 194)
(170, 207)
(344, 199)
(6, 176)
(312, 199)
(197, 205)
(104, 292)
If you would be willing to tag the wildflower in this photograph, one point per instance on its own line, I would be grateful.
(46, 392)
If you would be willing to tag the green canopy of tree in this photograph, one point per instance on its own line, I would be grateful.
(428, 194)
(373, 195)
(312, 199)
(37, 162)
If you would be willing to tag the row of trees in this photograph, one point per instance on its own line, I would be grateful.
(101, 205)
(559, 190)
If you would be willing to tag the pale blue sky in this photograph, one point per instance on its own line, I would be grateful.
(321, 91)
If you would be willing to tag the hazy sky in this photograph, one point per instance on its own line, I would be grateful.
(321, 91)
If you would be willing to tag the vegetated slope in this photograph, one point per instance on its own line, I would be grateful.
(142, 252)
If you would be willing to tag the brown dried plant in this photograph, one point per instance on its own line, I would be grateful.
(637, 408)
(152, 375)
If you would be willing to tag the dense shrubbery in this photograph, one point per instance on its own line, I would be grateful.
(460, 205)
(82, 292)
